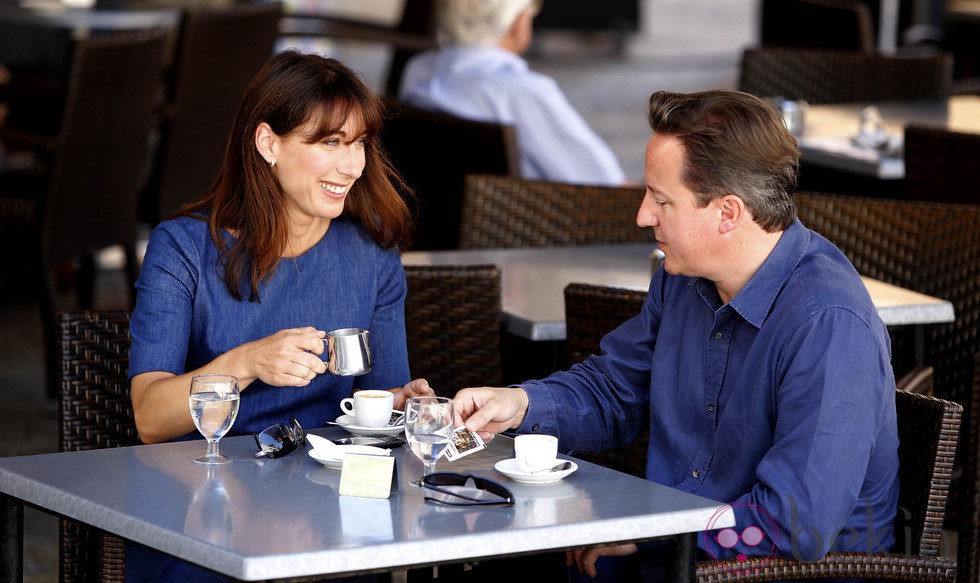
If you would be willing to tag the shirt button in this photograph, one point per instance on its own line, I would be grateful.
(696, 473)
(719, 335)
(535, 427)
(711, 408)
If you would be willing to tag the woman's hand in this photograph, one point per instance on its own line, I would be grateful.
(414, 388)
(288, 358)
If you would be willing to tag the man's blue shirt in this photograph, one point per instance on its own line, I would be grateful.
(780, 402)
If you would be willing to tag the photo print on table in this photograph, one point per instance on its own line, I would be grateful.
(463, 442)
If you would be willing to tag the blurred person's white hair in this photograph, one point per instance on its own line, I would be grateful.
(477, 22)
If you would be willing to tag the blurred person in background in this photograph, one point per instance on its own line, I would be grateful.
(478, 74)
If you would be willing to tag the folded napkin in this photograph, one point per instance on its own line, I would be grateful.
(325, 449)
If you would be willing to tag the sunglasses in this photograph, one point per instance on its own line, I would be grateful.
(465, 490)
(280, 440)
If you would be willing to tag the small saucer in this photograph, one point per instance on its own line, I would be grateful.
(333, 457)
(511, 469)
(347, 422)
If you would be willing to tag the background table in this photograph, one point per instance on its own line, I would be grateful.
(829, 128)
(264, 519)
(533, 281)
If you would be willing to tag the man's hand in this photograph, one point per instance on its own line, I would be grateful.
(585, 559)
(488, 411)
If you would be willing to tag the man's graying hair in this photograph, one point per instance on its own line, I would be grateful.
(477, 22)
(735, 143)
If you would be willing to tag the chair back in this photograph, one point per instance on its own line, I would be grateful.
(928, 432)
(452, 319)
(95, 411)
(941, 165)
(433, 152)
(218, 52)
(591, 312)
(828, 76)
(101, 158)
(968, 553)
(804, 23)
(507, 211)
(918, 380)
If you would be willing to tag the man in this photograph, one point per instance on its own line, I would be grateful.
(479, 74)
(758, 362)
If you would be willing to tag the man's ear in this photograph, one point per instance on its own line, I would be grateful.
(266, 142)
(732, 211)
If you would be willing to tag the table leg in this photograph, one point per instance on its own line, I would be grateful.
(920, 345)
(12, 536)
(685, 567)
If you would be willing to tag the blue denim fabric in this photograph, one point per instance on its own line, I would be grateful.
(185, 317)
(780, 402)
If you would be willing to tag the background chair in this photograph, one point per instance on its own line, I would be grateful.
(506, 211)
(928, 432)
(218, 52)
(828, 76)
(452, 318)
(415, 32)
(86, 197)
(930, 248)
(591, 312)
(824, 24)
(918, 380)
(941, 165)
(968, 550)
(94, 411)
(433, 152)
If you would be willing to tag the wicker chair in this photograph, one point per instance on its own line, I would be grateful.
(506, 211)
(805, 23)
(218, 52)
(940, 165)
(433, 152)
(591, 312)
(928, 432)
(95, 411)
(86, 199)
(930, 248)
(968, 552)
(918, 380)
(827, 76)
(452, 317)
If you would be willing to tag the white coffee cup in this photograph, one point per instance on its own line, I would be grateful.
(369, 408)
(535, 452)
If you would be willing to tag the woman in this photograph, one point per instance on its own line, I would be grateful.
(299, 234)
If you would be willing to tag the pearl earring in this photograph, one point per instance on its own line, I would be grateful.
(272, 162)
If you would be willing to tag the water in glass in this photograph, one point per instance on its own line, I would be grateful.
(214, 405)
(428, 428)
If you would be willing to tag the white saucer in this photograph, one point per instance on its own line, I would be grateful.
(333, 457)
(511, 469)
(347, 422)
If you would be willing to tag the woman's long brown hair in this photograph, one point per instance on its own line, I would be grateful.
(246, 198)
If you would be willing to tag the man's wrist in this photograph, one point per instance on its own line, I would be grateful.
(522, 410)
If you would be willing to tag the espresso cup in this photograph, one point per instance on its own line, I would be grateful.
(369, 408)
(535, 452)
(348, 353)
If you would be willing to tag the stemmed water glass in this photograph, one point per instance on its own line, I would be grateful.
(214, 406)
(429, 425)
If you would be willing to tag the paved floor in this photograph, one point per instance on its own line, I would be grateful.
(684, 45)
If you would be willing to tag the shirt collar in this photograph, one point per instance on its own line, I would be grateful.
(754, 301)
